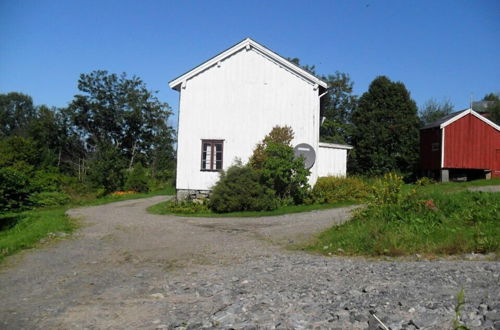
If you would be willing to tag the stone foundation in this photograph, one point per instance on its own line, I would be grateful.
(183, 194)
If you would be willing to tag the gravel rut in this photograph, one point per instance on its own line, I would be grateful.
(127, 269)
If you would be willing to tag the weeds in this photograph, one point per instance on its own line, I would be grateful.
(402, 220)
(458, 310)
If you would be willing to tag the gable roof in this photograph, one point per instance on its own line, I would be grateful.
(452, 117)
(247, 44)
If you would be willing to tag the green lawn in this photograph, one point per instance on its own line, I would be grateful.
(23, 230)
(161, 209)
(438, 219)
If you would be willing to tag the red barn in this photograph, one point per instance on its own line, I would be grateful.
(461, 146)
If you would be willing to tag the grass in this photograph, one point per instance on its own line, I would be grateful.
(24, 230)
(439, 219)
(161, 209)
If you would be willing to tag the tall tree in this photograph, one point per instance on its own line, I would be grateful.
(336, 108)
(434, 110)
(386, 130)
(16, 113)
(120, 112)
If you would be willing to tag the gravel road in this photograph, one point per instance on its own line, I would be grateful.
(127, 269)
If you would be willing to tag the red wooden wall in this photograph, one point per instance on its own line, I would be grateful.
(430, 148)
(471, 143)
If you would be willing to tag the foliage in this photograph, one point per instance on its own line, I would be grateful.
(387, 190)
(106, 169)
(49, 198)
(281, 135)
(14, 189)
(284, 174)
(334, 189)
(386, 130)
(121, 112)
(137, 179)
(420, 222)
(21, 153)
(337, 107)
(279, 170)
(184, 207)
(16, 114)
(239, 189)
(433, 110)
(424, 181)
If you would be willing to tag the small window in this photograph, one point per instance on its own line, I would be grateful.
(211, 155)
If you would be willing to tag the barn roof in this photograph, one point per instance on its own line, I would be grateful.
(248, 44)
(448, 119)
(444, 119)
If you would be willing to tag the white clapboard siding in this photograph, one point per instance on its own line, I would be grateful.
(332, 159)
(240, 100)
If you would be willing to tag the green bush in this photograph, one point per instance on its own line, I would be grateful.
(14, 189)
(387, 190)
(186, 207)
(424, 181)
(49, 198)
(332, 189)
(46, 181)
(239, 189)
(106, 169)
(137, 179)
(284, 173)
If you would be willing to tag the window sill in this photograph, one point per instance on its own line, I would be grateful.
(202, 170)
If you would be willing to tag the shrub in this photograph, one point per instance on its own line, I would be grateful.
(388, 189)
(334, 189)
(278, 135)
(424, 181)
(137, 179)
(106, 169)
(239, 189)
(186, 207)
(49, 198)
(46, 181)
(14, 189)
(284, 173)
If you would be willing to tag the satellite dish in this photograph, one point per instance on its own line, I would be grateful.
(306, 151)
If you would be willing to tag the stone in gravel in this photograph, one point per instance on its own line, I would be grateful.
(493, 316)
(475, 323)
(158, 295)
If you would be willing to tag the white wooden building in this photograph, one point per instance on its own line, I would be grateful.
(230, 102)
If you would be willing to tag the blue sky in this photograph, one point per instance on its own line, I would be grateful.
(439, 49)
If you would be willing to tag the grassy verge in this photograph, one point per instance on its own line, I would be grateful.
(427, 221)
(161, 209)
(23, 230)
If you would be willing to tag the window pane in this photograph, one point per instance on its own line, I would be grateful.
(218, 147)
(218, 164)
(218, 156)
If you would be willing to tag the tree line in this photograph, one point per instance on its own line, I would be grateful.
(113, 135)
(383, 123)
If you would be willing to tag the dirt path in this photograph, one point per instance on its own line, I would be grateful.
(127, 269)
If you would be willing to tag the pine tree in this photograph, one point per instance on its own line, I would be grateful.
(386, 130)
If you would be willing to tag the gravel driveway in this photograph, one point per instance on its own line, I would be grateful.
(127, 269)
